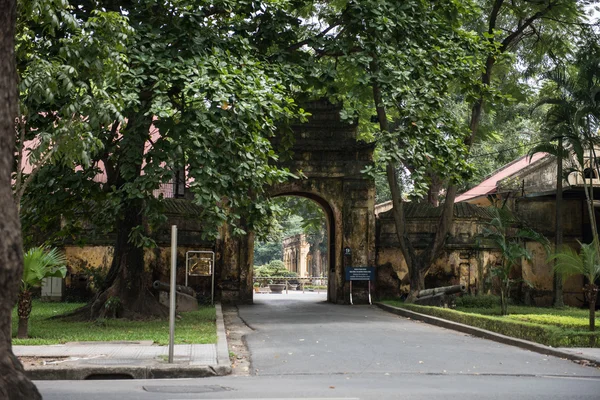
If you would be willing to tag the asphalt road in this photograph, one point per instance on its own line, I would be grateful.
(303, 347)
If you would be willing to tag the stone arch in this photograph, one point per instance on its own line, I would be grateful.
(333, 231)
(329, 158)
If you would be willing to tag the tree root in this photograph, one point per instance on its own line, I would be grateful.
(14, 385)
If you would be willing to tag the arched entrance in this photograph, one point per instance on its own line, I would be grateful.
(330, 159)
(328, 211)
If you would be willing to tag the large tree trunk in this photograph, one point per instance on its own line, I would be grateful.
(126, 291)
(416, 273)
(13, 382)
(433, 193)
(418, 265)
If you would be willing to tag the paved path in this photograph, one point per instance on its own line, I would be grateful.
(119, 359)
(300, 334)
(304, 348)
(132, 353)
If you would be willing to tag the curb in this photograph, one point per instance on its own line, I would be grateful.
(222, 346)
(150, 371)
(485, 334)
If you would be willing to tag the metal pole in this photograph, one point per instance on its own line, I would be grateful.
(370, 293)
(212, 272)
(187, 263)
(172, 293)
(351, 294)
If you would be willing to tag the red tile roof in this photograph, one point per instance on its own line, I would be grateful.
(488, 186)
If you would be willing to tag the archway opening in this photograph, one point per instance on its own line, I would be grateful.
(299, 255)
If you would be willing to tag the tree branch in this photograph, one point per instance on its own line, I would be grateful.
(397, 203)
(296, 46)
(514, 37)
(494, 16)
(444, 225)
(18, 180)
(34, 171)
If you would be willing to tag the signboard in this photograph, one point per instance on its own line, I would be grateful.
(199, 264)
(360, 273)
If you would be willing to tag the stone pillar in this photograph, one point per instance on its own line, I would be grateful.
(236, 261)
(358, 232)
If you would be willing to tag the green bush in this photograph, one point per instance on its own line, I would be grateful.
(274, 269)
(550, 335)
(483, 301)
(556, 320)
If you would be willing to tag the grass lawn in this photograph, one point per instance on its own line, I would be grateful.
(568, 317)
(565, 327)
(197, 327)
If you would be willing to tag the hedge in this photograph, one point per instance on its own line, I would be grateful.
(545, 334)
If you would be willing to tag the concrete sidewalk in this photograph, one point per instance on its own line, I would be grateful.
(126, 360)
(584, 355)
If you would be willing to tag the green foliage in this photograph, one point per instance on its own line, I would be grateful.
(292, 216)
(554, 335)
(586, 262)
(210, 84)
(113, 306)
(40, 263)
(196, 327)
(547, 319)
(69, 71)
(482, 301)
(419, 58)
(275, 269)
(267, 252)
(510, 242)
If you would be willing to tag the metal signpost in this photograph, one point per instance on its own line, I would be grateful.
(201, 263)
(360, 274)
(172, 292)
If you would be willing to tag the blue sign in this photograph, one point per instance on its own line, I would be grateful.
(360, 273)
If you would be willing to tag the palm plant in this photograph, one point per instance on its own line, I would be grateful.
(512, 250)
(586, 263)
(572, 121)
(38, 263)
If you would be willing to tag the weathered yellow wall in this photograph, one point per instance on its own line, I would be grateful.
(88, 257)
(538, 272)
(469, 259)
(158, 260)
(470, 268)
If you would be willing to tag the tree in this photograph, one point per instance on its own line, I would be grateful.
(67, 85)
(195, 98)
(559, 129)
(572, 117)
(13, 382)
(512, 250)
(265, 252)
(586, 263)
(506, 27)
(409, 61)
(39, 263)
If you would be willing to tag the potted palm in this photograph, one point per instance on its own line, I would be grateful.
(38, 263)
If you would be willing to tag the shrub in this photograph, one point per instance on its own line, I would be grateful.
(274, 269)
(483, 301)
(549, 335)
